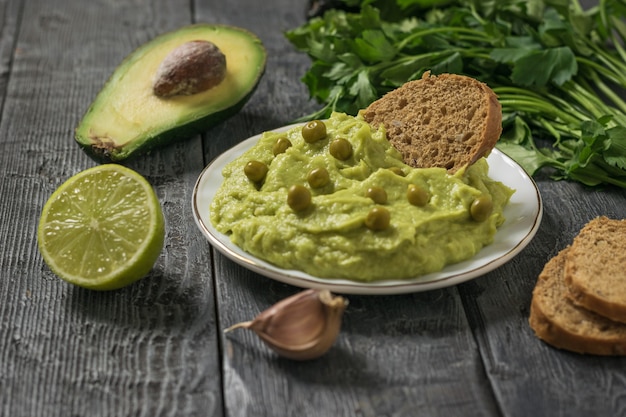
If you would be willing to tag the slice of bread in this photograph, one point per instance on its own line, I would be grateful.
(448, 121)
(596, 268)
(559, 322)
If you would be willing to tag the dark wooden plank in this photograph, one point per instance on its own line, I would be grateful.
(10, 11)
(417, 353)
(151, 348)
(155, 348)
(395, 355)
(530, 377)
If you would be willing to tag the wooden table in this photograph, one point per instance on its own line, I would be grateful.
(157, 348)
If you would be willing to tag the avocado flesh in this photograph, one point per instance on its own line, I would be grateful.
(127, 119)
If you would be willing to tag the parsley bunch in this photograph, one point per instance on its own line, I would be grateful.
(557, 69)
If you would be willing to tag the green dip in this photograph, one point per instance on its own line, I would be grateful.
(329, 239)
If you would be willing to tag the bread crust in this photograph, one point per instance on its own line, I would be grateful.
(559, 322)
(448, 121)
(596, 268)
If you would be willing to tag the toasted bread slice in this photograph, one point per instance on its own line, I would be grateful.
(559, 322)
(447, 121)
(596, 268)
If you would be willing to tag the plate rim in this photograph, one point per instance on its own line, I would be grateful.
(345, 286)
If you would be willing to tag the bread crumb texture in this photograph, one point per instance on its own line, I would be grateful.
(556, 315)
(596, 268)
(446, 121)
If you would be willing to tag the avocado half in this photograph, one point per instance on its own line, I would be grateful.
(126, 119)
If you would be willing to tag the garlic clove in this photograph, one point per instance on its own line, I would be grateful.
(301, 327)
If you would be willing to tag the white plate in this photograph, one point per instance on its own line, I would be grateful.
(523, 216)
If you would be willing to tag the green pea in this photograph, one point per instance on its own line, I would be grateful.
(255, 171)
(377, 194)
(417, 195)
(298, 197)
(481, 208)
(341, 149)
(281, 145)
(313, 131)
(318, 177)
(378, 218)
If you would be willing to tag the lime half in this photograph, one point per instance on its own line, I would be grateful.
(102, 229)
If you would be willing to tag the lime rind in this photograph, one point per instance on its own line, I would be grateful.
(102, 229)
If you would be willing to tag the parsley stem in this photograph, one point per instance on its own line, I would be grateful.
(555, 67)
(522, 100)
(592, 66)
(475, 34)
(535, 107)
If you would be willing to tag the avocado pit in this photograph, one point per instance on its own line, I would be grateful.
(190, 68)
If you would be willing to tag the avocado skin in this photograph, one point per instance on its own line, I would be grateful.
(107, 153)
(183, 132)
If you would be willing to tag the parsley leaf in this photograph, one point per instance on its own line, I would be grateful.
(554, 66)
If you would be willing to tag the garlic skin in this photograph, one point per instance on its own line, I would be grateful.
(301, 327)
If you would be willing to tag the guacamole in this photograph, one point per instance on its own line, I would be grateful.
(331, 235)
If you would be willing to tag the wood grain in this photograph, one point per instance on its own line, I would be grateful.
(157, 348)
(149, 349)
(528, 376)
